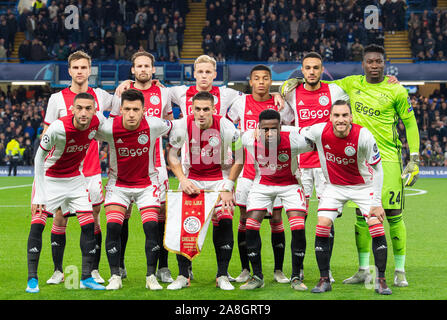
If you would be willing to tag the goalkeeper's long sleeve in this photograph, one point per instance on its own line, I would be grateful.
(412, 130)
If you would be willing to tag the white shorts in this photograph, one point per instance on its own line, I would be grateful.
(121, 196)
(94, 187)
(163, 183)
(243, 188)
(262, 197)
(335, 196)
(70, 194)
(311, 177)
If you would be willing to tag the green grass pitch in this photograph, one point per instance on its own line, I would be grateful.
(425, 215)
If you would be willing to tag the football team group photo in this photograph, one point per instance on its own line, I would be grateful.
(272, 166)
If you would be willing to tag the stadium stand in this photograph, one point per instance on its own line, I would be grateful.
(42, 34)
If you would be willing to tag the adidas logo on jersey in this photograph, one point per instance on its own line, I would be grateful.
(119, 141)
(301, 103)
(327, 147)
(249, 113)
(72, 141)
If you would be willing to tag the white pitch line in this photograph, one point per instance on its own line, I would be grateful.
(14, 187)
(418, 192)
(14, 206)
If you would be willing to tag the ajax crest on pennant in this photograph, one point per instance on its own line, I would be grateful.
(192, 225)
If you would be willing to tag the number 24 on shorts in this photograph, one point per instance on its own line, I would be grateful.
(394, 200)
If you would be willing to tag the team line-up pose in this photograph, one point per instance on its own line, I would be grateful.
(284, 150)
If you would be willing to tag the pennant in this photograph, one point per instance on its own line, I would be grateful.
(187, 221)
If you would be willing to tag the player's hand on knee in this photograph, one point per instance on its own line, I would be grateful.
(378, 213)
(227, 200)
(37, 209)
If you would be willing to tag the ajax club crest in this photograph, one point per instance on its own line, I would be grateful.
(350, 151)
(192, 225)
(143, 139)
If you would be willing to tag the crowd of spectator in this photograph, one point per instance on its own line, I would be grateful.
(428, 35)
(106, 29)
(431, 116)
(21, 119)
(255, 30)
(283, 30)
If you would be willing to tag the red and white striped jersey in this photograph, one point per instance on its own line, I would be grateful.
(205, 153)
(132, 156)
(276, 165)
(156, 104)
(311, 107)
(245, 111)
(344, 161)
(59, 105)
(67, 146)
(223, 98)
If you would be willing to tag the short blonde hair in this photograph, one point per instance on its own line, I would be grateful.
(206, 59)
(78, 55)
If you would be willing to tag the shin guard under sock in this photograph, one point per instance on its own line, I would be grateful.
(152, 247)
(278, 243)
(322, 249)
(58, 241)
(87, 244)
(34, 246)
(254, 245)
(362, 241)
(380, 249)
(398, 235)
(223, 244)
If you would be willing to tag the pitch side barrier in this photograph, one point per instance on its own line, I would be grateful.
(424, 172)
